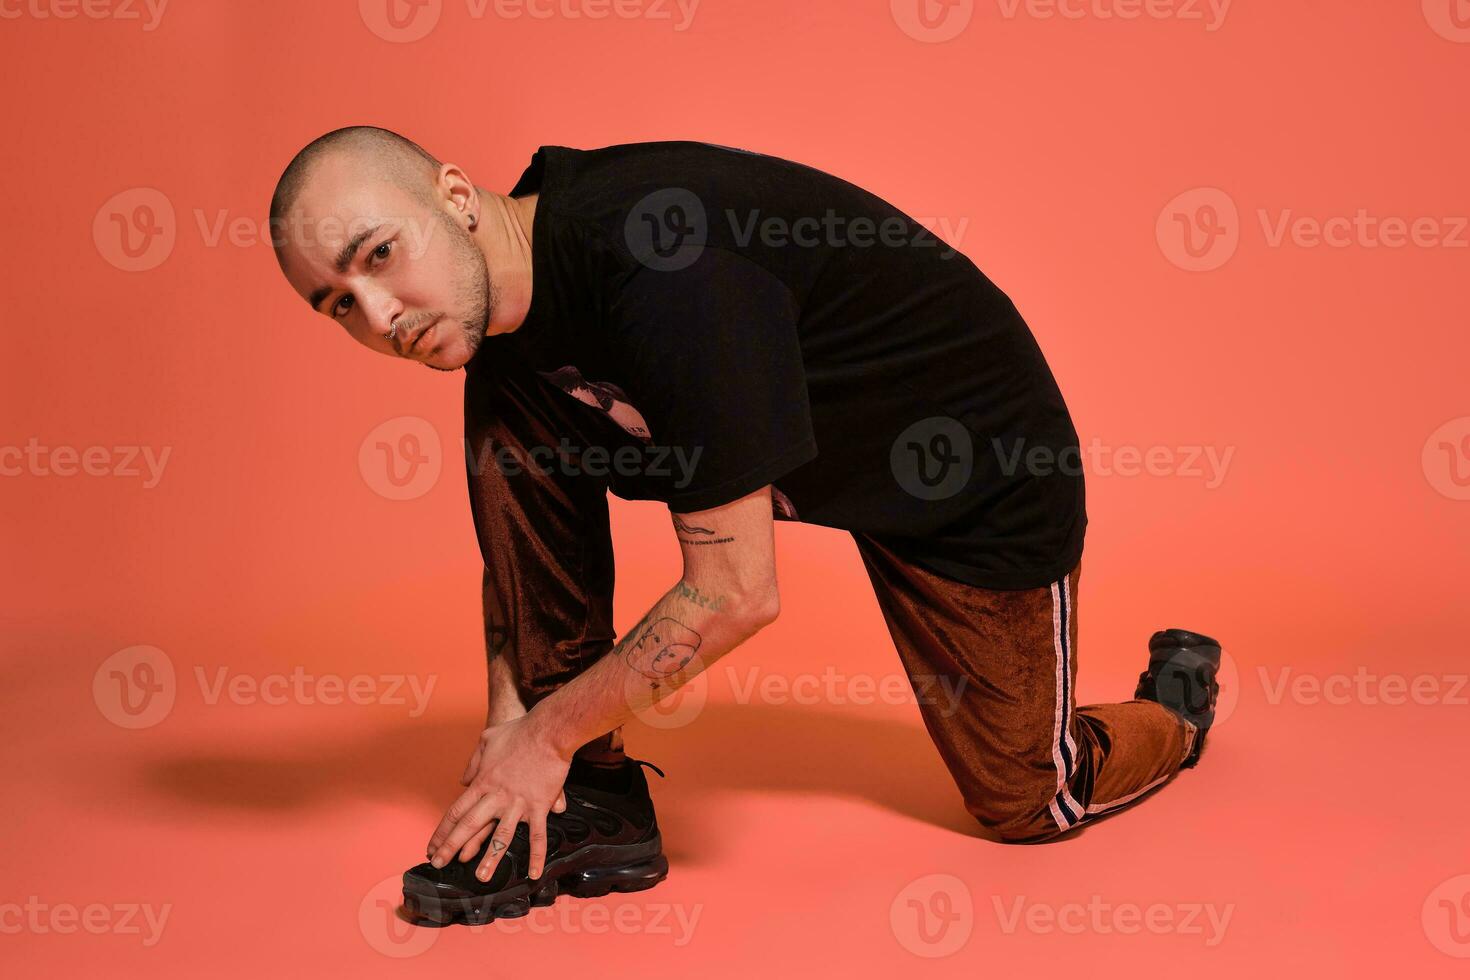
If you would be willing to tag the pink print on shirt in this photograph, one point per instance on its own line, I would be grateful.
(610, 399)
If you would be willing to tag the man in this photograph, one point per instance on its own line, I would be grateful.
(745, 339)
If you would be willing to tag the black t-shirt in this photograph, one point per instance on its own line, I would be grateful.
(776, 324)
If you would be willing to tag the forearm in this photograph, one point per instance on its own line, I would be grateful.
(504, 701)
(503, 694)
(682, 635)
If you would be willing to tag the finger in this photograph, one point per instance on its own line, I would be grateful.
(456, 812)
(500, 841)
(477, 818)
(471, 767)
(560, 806)
(473, 846)
(536, 824)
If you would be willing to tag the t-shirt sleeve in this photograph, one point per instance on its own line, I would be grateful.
(712, 360)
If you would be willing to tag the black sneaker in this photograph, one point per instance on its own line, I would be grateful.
(1181, 675)
(607, 840)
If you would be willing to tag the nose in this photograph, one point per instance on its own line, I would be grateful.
(381, 313)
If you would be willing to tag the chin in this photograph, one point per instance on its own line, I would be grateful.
(451, 356)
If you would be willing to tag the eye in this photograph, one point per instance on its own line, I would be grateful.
(381, 254)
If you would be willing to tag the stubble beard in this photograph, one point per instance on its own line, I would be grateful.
(476, 294)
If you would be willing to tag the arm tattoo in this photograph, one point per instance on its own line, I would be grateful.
(682, 528)
(692, 594)
(662, 649)
(496, 637)
(686, 528)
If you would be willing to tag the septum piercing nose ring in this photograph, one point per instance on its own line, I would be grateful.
(393, 332)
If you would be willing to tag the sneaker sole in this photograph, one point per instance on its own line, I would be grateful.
(588, 872)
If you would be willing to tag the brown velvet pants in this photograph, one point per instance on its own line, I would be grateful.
(1029, 764)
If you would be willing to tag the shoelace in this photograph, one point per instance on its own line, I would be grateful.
(650, 766)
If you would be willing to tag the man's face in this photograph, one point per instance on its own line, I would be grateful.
(369, 254)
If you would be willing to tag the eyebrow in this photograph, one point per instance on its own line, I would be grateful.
(344, 259)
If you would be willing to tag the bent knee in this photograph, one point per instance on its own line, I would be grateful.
(1022, 824)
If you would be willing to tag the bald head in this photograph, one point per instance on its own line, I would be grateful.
(376, 154)
(402, 251)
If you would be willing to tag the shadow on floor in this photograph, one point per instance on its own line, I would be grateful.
(729, 748)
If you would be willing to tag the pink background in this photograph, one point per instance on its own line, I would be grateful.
(1072, 152)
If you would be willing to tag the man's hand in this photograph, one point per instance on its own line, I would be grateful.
(472, 768)
(515, 775)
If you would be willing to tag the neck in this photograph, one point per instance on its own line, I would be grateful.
(504, 236)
